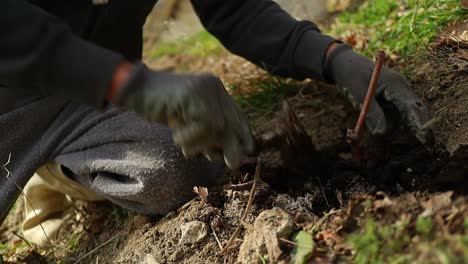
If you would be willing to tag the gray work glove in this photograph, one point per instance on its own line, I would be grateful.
(203, 116)
(352, 72)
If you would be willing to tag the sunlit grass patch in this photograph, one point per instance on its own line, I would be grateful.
(200, 44)
(404, 243)
(401, 27)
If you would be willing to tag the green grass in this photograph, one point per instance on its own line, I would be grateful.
(200, 44)
(267, 97)
(400, 27)
(399, 243)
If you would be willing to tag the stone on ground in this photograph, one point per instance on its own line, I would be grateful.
(193, 232)
(262, 240)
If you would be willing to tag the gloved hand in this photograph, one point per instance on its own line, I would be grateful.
(352, 72)
(203, 116)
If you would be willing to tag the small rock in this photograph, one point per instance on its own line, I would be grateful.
(262, 238)
(193, 232)
(150, 260)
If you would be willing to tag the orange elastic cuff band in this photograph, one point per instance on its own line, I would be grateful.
(118, 80)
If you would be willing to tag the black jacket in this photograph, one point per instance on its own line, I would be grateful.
(69, 49)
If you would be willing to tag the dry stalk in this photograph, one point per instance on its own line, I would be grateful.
(24, 239)
(354, 135)
(96, 249)
(288, 241)
(216, 237)
(240, 187)
(247, 209)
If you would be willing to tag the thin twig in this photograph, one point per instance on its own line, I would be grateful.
(288, 241)
(354, 135)
(295, 244)
(323, 192)
(430, 123)
(9, 174)
(247, 208)
(258, 170)
(322, 220)
(216, 237)
(240, 186)
(96, 249)
(22, 238)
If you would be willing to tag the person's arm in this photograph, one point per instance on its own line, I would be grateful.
(39, 53)
(262, 32)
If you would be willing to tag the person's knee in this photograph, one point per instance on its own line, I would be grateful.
(137, 165)
(155, 183)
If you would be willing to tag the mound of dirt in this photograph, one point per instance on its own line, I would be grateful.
(328, 196)
(443, 82)
(409, 174)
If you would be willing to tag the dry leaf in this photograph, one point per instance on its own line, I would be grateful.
(201, 191)
(351, 40)
(328, 235)
(456, 35)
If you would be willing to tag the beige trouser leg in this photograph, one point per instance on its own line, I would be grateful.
(48, 196)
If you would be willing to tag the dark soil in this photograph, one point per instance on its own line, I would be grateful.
(400, 178)
(397, 166)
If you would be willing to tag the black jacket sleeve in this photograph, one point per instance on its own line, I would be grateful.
(38, 52)
(260, 31)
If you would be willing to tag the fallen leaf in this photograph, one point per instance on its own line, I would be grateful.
(329, 237)
(351, 40)
(454, 36)
(201, 191)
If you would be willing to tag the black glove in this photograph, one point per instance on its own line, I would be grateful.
(352, 72)
(203, 116)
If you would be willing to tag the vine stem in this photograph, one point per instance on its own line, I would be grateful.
(354, 135)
